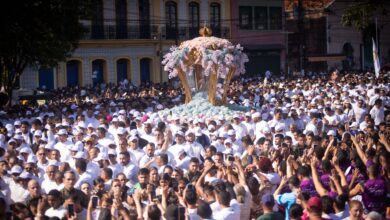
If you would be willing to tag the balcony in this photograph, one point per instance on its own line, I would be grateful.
(136, 31)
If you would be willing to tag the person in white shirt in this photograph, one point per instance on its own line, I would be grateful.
(54, 202)
(84, 176)
(49, 182)
(193, 148)
(135, 152)
(62, 145)
(377, 112)
(226, 212)
(127, 167)
(148, 160)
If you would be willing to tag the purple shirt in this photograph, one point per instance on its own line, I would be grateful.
(374, 195)
(308, 186)
(325, 180)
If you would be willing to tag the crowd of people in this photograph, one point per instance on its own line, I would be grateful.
(313, 147)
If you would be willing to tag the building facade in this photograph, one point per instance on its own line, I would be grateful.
(126, 39)
(357, 45)
(258, 25)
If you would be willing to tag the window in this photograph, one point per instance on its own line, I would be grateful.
(171, 19)
(144, 19)
(275, 18)
(261, 18)
(97, 29)
(121, 19)
(193, 8)
(215, 18)
(245, 17)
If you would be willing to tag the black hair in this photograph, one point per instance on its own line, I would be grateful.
(154, 212)
(81, 164)
(340, 201)
(294, 181)
(204, 211)
(224, 198)
(304, 171)
(296, 211)
(191, 197)
(143, 171)
(327, 204)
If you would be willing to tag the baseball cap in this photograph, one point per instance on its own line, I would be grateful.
(16, 169)
(331, 132)
(315, 202)
(62, 132)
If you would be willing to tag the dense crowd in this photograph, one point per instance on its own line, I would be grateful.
(313, 147)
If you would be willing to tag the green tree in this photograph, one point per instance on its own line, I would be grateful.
(359, 14)
(36, 32)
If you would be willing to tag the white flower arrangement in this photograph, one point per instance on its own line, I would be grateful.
(213, 51)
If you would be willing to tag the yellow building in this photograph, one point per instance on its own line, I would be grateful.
(127, 39)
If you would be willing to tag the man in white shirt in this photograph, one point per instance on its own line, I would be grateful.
(226, 212)
(84, 176)
(49, 182)
(377, 112)
(193, 148)
(127, 167)
(135, 152)
(62, 145)
(54, 201)
(148, 160)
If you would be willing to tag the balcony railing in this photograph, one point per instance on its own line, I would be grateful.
(134, 31)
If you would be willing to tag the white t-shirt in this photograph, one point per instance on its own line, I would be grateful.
(59, 213)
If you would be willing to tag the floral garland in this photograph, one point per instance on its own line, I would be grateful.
(214, 51)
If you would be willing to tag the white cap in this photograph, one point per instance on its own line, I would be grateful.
(90, 125)
(228, 140)
(25, 175)
(16, 169)
(231, 132)
(24, 150)
(122, 112)
(279, 127)
(248, 114)
(18, 137)
(79, 155)
(62, 132)
(331, 132)
(54, 163)
(31, 159)
(11, 141)
(65, 123)
(210, 127)
(256, 115)
(180, 133)
(111, 152)
(100, 157)
(121, 131)
(17, 123)
(38, 133)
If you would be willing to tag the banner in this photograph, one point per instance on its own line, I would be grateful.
(377, 65)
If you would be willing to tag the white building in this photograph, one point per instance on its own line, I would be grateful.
(127, 38)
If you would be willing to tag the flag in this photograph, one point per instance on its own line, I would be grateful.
(377, 65)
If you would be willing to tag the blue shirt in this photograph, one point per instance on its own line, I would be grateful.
(287, 200)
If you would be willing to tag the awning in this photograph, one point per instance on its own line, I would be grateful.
(326, 57)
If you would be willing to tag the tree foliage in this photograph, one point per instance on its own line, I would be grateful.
(37, 32)
(359, 15)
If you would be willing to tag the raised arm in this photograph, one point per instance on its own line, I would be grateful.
(359, 150)
(317, 184)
